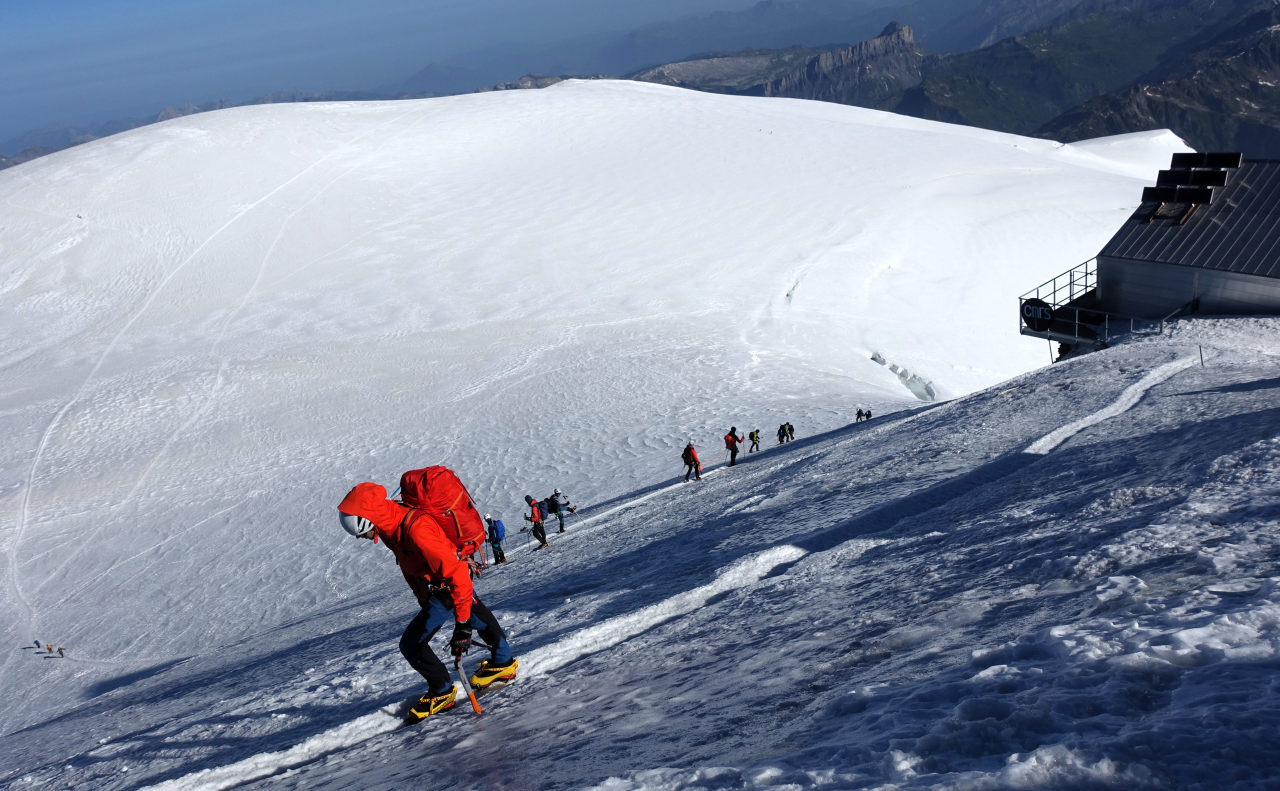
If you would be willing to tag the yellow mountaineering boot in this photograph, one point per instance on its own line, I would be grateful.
(430, 704)
(488, 673)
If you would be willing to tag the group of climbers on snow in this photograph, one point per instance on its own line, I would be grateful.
(556, 505)
(693, 467)
(49, 649)
(435, 532)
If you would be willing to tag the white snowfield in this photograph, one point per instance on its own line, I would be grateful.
(1057, 576)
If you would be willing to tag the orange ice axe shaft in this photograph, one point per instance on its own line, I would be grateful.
(466, 686)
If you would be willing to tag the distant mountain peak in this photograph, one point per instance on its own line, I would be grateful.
(898, 30)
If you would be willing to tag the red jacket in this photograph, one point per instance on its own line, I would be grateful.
(693, 456)
(426, 556)
(731, 441)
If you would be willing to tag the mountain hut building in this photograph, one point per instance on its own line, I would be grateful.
(1205, 240)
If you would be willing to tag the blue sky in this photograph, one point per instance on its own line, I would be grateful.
(72, 61)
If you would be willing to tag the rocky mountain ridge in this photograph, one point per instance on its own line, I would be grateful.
(1225, 97)
(1207, 69)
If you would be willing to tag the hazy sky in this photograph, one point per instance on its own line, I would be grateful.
(70, 61)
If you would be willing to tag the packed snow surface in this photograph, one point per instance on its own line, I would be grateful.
(1012, 576)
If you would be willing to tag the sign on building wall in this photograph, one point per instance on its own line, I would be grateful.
(1037, 314)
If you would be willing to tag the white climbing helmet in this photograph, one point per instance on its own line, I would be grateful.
(355, 525)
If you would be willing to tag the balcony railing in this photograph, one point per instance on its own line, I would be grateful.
(1064, 309)
(1068, 286)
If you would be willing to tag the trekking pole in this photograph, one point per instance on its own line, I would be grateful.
(466, 685)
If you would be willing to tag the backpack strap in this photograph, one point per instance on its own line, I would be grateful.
(415, 514)
(406, 522)
(449, 511)
(412, 515)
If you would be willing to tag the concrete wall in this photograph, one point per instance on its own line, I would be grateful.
(1151, 291)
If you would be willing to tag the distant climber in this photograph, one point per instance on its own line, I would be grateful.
(782, 433)
(497, 532)
(691, 464)
(731, 442)
(791, 432)
(537, 513)
(754, 436)
(557, 505)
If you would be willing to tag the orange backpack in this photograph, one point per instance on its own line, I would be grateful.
(438, 492)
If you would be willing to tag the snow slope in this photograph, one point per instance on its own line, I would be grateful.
(915, 602)
(214, 326)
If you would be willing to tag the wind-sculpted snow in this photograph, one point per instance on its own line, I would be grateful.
(914, 602)
(213, 327)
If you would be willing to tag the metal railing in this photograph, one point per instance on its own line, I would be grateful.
(1052, 315)
(1068, 286)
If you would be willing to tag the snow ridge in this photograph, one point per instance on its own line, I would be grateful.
(1127, 399)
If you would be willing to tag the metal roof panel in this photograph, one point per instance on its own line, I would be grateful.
(1239, 231)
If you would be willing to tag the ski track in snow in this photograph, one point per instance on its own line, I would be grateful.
(1127, 399)
(742, 574)
(210, 394)
(150, 549)
(29, 616)
(29, 484)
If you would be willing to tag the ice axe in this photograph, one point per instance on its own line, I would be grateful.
(466, 685)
